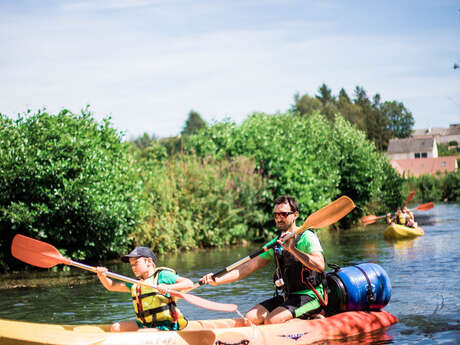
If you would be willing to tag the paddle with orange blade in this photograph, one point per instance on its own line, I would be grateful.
(372, 218)
(409, 198)
(41, 254)
(326, 216)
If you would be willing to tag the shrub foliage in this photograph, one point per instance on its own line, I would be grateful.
(67, 180)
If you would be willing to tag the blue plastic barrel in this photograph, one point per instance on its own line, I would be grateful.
(361, 287)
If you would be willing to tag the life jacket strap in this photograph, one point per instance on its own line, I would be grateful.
(141, 296)
(148, 312)
(173, 310)
(320, 299)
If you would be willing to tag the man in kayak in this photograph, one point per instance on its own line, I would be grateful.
(299, 270)
(155, 308)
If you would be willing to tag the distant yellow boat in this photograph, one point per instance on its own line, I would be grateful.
(397, 232)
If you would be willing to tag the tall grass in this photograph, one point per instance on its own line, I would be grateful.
(201, 202)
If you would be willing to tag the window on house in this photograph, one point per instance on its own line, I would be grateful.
(420, 155)
(443, 164)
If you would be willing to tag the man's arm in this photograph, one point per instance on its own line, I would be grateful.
(314, 260)
(238, 273)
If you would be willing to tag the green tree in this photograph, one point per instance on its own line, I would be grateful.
(325, 95)
(400, 119)
(143, 141)
(193, 124)
(350, 111)
(306, 105)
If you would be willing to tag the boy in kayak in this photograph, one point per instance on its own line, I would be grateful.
(155, 308)
(299, 270)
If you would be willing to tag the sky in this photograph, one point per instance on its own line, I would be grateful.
(148, 63)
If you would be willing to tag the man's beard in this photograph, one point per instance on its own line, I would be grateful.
(283, 227)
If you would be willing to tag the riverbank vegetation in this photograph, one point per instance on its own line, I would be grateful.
(69, 181)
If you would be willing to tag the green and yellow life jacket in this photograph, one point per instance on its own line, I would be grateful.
(153, 309)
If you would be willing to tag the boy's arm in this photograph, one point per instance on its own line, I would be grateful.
(108, 283)
(181, 283)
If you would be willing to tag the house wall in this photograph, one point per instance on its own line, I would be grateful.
(435, 149)
(445, 139)
(397, 156)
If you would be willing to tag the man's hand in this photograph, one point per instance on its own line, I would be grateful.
(288, 244)
(208, 279)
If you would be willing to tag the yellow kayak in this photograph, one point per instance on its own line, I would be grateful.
(212, 332)
(396, 232)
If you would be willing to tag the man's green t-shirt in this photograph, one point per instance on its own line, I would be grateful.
(307, 243)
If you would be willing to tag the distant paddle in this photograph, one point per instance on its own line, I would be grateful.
(372, 218)
(409, 198)
(42, 254)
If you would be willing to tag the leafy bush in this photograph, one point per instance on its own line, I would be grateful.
(311, 158)
(201, 203)
(429, 187)
(67, 180)
(450, 185)
(394, 191)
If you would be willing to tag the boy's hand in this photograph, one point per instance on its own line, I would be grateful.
(162, 289)
(101, 271)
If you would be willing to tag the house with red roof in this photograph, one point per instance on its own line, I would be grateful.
(416, 156)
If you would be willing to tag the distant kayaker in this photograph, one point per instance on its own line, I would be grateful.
(299, 270)
(410, 220)
(402, 217)
(155, 308)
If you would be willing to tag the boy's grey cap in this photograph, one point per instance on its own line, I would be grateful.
(140, 252)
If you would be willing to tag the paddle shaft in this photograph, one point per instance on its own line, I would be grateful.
(118, 276)
(242, 261)
(198, 301)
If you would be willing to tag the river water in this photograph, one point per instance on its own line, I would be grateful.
(424, 273)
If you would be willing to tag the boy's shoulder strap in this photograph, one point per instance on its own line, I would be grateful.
(162, 268)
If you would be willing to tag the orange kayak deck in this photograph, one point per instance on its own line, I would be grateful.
(206, 332)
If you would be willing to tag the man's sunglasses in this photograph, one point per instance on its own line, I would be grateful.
(283, 214)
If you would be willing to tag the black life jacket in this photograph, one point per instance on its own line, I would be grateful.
(295, 275)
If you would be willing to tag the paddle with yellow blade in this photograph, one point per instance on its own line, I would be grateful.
(41, 254)
(326, 216)
(372, 218)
